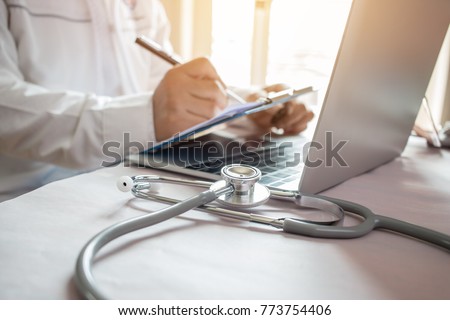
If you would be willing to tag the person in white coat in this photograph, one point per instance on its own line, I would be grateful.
(72, 79)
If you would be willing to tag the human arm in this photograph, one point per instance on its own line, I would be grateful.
(70, 128)
(51, 123)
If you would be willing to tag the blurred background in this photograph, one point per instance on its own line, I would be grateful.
(254, 42)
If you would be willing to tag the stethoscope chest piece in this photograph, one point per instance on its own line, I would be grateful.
(247, 192)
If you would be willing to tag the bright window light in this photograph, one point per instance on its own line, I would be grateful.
(304, 36)
(232, 30)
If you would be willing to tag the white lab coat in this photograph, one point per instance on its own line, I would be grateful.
(72, 79)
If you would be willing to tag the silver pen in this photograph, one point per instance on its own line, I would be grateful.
(155, 48)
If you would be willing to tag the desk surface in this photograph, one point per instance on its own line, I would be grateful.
(200, 256)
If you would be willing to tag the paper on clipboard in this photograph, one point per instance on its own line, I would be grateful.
(235, 111)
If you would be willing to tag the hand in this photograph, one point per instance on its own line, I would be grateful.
(188, 94)
(292, 117)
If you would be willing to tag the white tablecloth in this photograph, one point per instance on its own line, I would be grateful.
(200, 256)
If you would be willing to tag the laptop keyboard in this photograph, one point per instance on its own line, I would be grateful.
(279, 162)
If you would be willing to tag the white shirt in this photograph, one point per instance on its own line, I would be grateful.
(71, 80)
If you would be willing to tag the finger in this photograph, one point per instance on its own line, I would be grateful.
(201, 68)
(296, 129)
(291, 114)
(299, 126)
(276, 87)
(256, 95)
(264, 118)
(207, 90)
(280, 116)
(201, 108)
(302, 122)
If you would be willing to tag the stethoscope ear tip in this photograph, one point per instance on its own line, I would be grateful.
(125, 183)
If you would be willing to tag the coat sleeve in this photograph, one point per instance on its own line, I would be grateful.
(67, 128)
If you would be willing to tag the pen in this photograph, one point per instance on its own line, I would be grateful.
(155, 48)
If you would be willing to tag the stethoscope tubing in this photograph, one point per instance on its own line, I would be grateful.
(413, 230)
(83, 276)
(370, 221)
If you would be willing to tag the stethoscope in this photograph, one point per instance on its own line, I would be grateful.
(239, 188)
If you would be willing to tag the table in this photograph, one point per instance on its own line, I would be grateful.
(201, 256)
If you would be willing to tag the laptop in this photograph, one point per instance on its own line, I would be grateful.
(382, 70)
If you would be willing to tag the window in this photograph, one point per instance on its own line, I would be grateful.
(232, 32)
(270, 41)
(291, 41)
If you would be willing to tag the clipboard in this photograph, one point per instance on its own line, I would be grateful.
(233, 112)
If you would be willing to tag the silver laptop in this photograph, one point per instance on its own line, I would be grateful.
(385, 61)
